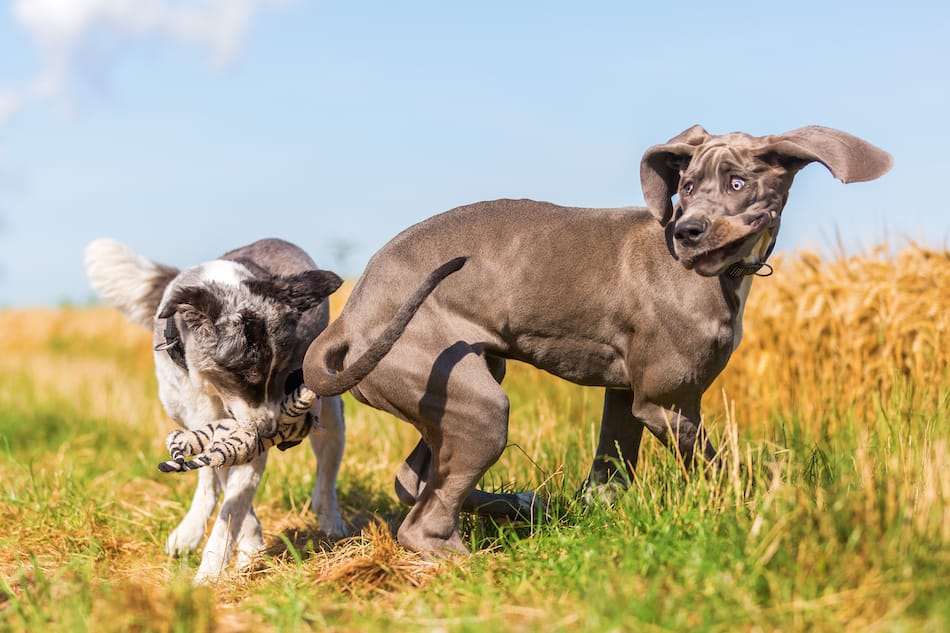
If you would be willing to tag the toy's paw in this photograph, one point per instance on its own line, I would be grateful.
(181, 466)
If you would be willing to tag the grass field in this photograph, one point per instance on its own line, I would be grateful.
(831, 512)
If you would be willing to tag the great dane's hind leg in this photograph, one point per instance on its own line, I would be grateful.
(617, 450)
(413, 473)
(463, 417)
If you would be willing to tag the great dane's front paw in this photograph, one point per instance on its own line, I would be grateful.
(186, 538)
(593, 494)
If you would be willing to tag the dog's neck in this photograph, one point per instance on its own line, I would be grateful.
(742, 294)
(754, 262)
(748, 268)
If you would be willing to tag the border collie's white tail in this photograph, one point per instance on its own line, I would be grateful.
(126, 280)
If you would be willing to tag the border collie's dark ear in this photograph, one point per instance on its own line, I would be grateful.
(660, 170)
(198, 306)
(847, 157)
(301, 291)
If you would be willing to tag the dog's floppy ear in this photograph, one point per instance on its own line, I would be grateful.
(301, 291)
(198, 306)
(660, 170)
(848, 158)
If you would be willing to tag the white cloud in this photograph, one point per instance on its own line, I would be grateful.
(60, 28)
(9, 103)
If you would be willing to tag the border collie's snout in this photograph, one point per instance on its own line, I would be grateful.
(267, 427)
(261, 420)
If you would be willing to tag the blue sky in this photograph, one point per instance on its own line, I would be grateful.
(186, 128)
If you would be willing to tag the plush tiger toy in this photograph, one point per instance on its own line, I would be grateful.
(224, 443)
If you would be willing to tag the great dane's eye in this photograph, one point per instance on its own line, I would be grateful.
(736, 183)
(687, 189)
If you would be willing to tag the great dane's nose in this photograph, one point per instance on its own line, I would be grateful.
(688, 232)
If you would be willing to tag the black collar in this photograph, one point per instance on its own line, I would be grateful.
(173, 344)
(741, 269)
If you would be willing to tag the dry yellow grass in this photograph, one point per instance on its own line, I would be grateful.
(373, 561)
(825, 333)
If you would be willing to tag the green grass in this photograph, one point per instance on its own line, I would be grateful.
(832, 523)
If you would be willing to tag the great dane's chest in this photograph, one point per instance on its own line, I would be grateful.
(685, 348)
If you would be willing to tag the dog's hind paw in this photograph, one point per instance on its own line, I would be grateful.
(531, 506)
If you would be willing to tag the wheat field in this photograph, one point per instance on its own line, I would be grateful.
(831, 511)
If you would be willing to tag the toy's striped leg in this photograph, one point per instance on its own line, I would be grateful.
(223, 443)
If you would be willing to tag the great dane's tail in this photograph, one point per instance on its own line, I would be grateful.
(317, 375)
(126, 280)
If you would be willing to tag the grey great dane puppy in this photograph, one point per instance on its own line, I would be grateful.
(646, 302)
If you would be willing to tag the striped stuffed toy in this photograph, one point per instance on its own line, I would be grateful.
(225, 443)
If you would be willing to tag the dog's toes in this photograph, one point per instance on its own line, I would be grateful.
(184, 540)
(214, 562)
(431, 546)
(530, 506)
(174, 548)
(600, 494)
(248, 554)
(207, 576)
(328, 514)
(333, 527)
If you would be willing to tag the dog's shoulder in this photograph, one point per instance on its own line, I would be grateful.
(271, 256)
